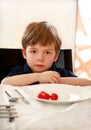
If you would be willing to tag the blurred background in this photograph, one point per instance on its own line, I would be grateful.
(72, 18)
(83, 39)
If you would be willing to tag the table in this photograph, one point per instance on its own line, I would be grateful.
(46, 116)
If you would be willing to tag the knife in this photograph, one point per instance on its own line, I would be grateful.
(22, 97)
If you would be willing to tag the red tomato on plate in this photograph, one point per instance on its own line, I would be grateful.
(43, 95)
(54, 96)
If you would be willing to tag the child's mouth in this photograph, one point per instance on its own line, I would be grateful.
(39, 65)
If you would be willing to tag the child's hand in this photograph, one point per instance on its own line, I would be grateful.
(49, 77)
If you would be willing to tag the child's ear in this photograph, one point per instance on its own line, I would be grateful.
(56, 56)
(23, 53)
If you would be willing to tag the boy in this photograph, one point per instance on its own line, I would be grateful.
(41, 46)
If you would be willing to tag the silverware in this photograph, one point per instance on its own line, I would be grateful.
(22, 97)
(8, 112)
(11, 99)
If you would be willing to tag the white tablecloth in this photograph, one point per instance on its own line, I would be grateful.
(46, 116)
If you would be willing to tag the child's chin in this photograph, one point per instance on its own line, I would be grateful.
(40, 71)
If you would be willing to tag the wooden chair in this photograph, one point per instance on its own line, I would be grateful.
(13, 57)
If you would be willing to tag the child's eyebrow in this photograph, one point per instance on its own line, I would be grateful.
(33, 48)
(49, 49)
(45, 49)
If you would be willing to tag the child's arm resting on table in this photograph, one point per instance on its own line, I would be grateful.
(27, 79)
(75, 81)
(20, 80)
(44, 77)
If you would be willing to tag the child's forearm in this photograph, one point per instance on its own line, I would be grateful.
(75, 81)
(20, 80)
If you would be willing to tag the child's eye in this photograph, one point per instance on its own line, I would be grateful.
(48, 52)
(33, 51)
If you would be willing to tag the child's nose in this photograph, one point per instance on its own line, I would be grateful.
(40, 56)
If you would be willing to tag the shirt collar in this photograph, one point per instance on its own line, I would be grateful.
(53, 67)
(27, 69)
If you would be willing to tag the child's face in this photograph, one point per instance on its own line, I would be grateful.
(40, 58)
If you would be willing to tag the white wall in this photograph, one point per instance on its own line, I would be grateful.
(15, 15)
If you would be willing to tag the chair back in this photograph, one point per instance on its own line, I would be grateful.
(13, 57)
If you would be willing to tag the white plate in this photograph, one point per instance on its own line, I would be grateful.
(66, 93)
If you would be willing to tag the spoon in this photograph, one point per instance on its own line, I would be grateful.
(12, 99)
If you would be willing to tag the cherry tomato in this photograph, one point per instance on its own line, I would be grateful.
(43, 95)
(54, 96)
(46, 96)
(40, 95)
